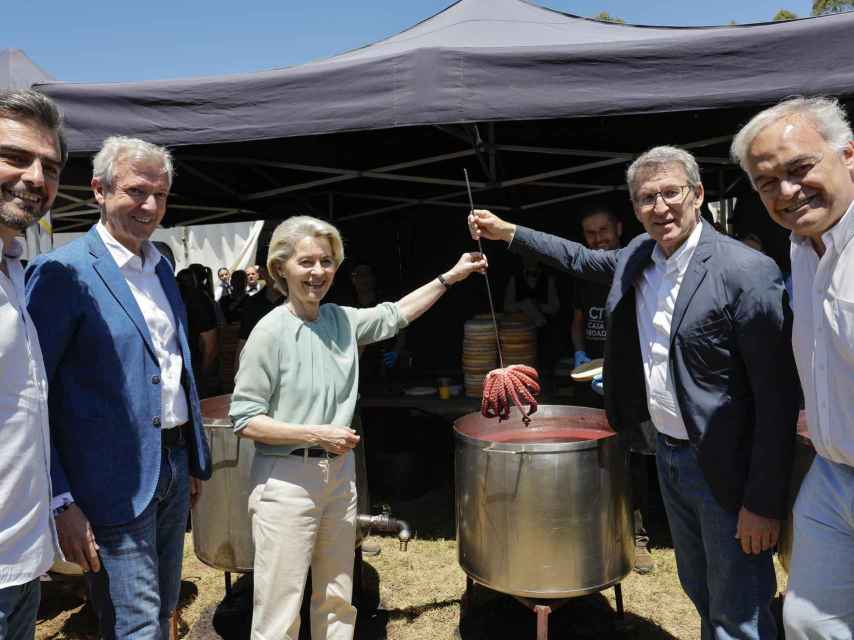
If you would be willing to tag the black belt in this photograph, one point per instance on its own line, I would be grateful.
(314, 453)
(677, 443)
(174, 437)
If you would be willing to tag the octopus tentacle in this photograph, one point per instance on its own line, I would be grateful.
(526, 380)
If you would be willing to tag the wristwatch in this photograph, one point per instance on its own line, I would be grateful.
(62, 508)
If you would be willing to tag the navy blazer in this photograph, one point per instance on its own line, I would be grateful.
(104, 380)
(730, 357)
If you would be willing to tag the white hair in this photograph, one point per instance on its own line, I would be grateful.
(117, 148)
(663, 156)
(825, 114)
(288, 234)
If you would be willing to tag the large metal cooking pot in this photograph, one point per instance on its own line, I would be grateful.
(222, 534)
(543, 511)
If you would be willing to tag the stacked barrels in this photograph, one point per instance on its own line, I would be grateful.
(518, 340)
(480, 353)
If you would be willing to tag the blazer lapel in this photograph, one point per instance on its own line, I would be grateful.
(694, 276)
(108, 270)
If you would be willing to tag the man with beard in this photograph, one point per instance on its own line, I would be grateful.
(799, 155)
(32, 153)
(125, 419)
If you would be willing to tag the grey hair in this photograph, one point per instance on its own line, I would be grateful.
(26, 104)
(663, 156)
(286, 236)
(826, 115)
(117, 148)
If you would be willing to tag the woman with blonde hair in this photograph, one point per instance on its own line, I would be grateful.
(295, 395)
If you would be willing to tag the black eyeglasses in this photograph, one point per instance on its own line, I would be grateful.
(674, 195)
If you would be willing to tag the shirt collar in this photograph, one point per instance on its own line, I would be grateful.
(839, 235)
(124, 257)
(15, 249)
(682, 256)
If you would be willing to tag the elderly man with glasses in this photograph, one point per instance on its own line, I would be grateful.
(799, 155)
(699, 342)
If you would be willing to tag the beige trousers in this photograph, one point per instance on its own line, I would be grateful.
(303, 514)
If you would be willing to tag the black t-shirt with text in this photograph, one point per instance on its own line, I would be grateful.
(590, 300)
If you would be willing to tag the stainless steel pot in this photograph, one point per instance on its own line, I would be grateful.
(222, 534)
(547, 518)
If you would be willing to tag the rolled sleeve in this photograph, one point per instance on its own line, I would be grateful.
(257, 379)
(376, 323)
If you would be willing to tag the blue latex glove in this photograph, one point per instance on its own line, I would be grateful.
(389, 359)
(580, 359)
(598, 385)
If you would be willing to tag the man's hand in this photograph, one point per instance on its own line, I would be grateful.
(485, 224)
(77, 540)
(195, 491)
(756, 533)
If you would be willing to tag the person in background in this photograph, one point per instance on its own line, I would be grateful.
(201, 328)
(602, 229)
(256, 307)
(253, 280)
(799, 156)
(533, 292)
(128, 451)
(699, 343)
(378, 358)
(32, 155)
(295, 396)
(232, 304)
(223, 288)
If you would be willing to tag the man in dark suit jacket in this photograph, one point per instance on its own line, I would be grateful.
(125, 420)
(698, 341)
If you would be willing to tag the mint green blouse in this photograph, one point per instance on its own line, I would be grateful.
(307, 372)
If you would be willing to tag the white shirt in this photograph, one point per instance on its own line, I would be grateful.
(823, 337)
(28, 540)
(155, 308)
(657, 290)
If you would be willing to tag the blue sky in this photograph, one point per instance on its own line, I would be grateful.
(95, 40)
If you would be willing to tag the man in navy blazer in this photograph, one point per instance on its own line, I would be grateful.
(128, 447)
(699, 342)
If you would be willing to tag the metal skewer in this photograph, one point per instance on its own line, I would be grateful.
(486, 277)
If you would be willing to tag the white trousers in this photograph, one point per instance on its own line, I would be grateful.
(303, 514)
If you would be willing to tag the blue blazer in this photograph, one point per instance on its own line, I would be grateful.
(730, 357)
(104, 380)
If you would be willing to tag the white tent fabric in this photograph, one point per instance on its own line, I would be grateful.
(231, 245)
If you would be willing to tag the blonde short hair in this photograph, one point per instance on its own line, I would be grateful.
(286, 237)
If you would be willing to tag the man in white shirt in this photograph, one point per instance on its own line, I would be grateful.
(126, 429)
(698, 341)
(32, 153)
(799, 155)
(253, 280)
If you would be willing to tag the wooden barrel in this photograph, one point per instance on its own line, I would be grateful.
(480, 353)
(518, 340)
(228, 341)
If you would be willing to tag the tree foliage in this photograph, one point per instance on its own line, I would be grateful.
(821, 7)
(604, 16)
(784, 14)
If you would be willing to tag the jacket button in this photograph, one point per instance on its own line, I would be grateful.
(156, 421)
(155, 379)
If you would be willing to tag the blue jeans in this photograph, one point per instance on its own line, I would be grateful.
(140, 578)
(820, 597)
(731, 590)
(18, 608)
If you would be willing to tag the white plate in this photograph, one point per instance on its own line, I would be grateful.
(420, 391)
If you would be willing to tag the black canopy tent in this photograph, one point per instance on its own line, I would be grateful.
(542, 106)
(17, 71)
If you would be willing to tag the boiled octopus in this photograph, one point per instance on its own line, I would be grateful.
(519, 383)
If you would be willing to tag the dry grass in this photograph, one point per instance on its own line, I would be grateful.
(419, 593)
